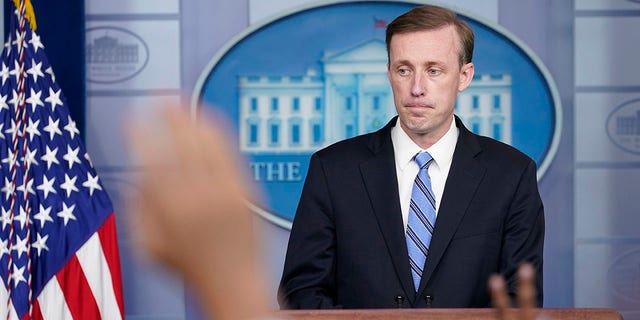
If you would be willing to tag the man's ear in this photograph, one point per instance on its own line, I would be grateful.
(466, 75)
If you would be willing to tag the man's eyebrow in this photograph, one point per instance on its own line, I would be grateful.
(401, 62)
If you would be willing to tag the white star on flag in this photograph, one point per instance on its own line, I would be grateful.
(43, 215)
(53, 99)
(20, 246)
(47, 186)
(34, 100)
(72, 156)
(50, 157)
(91, 183)
(69, 184)
(35, 41)
(71, 128)
(5, 219)
(4, 249)
(41, 243)
(3, 103)
(35, 70)
(67, 213)
(18, 276)
(4, 73)
(53, 128)
(32, 128)
(28, 187)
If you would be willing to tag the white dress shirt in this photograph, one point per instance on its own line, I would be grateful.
(407, 169)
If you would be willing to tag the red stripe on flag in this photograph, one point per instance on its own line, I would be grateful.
(77, 292)
(109, 242)
(36, 314)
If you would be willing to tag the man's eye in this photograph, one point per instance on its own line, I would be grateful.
(403, 72)
(434, 72)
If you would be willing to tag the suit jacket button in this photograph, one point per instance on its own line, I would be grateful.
(399, 301)
(428, 299)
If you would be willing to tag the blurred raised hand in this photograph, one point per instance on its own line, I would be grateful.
(190, 212)
(526, 299)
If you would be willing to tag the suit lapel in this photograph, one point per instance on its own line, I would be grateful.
(463, 179)
(381, 182)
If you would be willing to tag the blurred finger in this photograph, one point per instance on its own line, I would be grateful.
(526, 292)
(219, 152)
(499, 297)
(222, 159)
(189, 147)
(148, 142)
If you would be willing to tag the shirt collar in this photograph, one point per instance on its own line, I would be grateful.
(405, 149)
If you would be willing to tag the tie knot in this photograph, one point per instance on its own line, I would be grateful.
(423, 159)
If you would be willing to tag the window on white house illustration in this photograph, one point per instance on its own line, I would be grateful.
(295, 125)
(316, 133)
(295, 134)
(496, 102)
(253, 134)
(254, 104)
(376, 103)
(497, 131)
(296, 104)
(253, 131)
(274, 132)
(476, 125)
(349, 131)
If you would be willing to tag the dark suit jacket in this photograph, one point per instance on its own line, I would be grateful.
(347, 246)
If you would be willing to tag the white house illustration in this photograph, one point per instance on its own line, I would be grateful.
(628, 124)
(349, 96)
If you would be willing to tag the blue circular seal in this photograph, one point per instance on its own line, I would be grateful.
(281, 82)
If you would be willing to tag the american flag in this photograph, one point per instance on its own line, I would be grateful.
(379, 23)
(58, 245)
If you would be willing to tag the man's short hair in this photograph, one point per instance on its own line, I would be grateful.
(430, 18)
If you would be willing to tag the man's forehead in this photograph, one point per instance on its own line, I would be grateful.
(447, 36)
(447, 29)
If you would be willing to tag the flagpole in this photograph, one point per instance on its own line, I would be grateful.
(25, 150)
(20, 132)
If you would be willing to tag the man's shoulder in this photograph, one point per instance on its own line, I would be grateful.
(489, 148)
(504, 158)
(358, 147)
(351, 147)
(501, 152)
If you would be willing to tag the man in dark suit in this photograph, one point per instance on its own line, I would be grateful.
(225, 275)
(353, 242)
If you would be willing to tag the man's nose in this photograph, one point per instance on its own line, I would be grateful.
(418, 87)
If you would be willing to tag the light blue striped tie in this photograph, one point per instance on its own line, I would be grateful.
(422, 218)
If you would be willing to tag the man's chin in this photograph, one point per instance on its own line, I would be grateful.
(416, 126)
